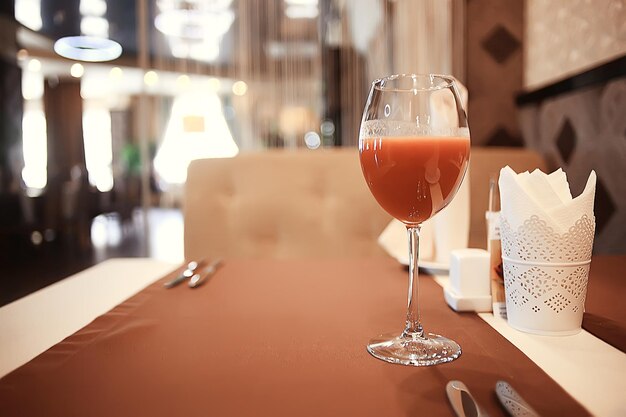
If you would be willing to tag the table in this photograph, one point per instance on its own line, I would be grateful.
(587, 368)
(34, 323)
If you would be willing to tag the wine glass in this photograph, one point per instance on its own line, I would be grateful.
(414, 148)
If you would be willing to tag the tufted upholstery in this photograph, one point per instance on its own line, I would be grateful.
(282, 204)
(302, 203)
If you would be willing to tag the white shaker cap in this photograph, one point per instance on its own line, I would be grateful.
(469, 288)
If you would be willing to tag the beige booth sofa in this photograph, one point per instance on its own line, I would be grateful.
(303, 203)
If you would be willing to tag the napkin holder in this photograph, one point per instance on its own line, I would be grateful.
(545, 275)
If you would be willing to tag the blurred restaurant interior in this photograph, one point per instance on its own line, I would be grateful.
(95, 141)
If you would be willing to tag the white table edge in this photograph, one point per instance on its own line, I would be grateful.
(586, 367)
(32, 324)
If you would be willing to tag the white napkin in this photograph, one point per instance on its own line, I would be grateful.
(547, 196)
(452, 224)
(394, 241)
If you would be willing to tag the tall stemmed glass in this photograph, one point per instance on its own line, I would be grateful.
(414, 148)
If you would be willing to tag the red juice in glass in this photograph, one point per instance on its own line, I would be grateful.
(414, 177)
(414, 149)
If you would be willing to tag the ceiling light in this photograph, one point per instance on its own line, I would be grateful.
(116, 73)
(206, 51)
(77, 70)
(93, 7)
(34, 65)
(240, 88)
(94, 26)
(32, 85)
(151, 78)
(180, 49)
(194, 24)
(216, 5)
(193, 124)
(183, 81)
(205, 5)
(210, 137)
(28, 13)
(214, 84)
(88, 48)
(22, 54)
(302, 2)
(301, 12)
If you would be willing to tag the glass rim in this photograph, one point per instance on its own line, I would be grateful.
(448, 82)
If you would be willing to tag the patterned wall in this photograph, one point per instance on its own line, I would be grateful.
(567, 37)
(494, 70)
(584, 130)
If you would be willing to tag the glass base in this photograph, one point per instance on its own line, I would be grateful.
(414, 350)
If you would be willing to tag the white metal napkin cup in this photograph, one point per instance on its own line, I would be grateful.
(545, 275)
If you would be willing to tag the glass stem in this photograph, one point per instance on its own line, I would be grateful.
(413, 327)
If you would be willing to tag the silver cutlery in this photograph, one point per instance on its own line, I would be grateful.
(462, 402)
(186, 274)
(513, 402)
(201, 277)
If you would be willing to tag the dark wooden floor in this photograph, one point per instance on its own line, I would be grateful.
(33, 266)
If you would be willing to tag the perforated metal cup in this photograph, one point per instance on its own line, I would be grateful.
(545, 275)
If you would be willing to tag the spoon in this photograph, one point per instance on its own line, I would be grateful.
(201, 277)
(191, 268)
(513, 402)
(187, 273)
(462, 402)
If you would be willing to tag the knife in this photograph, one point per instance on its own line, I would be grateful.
(513, 402)
(462, 401)
(201, 277)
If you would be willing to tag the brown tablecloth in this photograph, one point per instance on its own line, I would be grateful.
(270, 338)
(605, 305)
